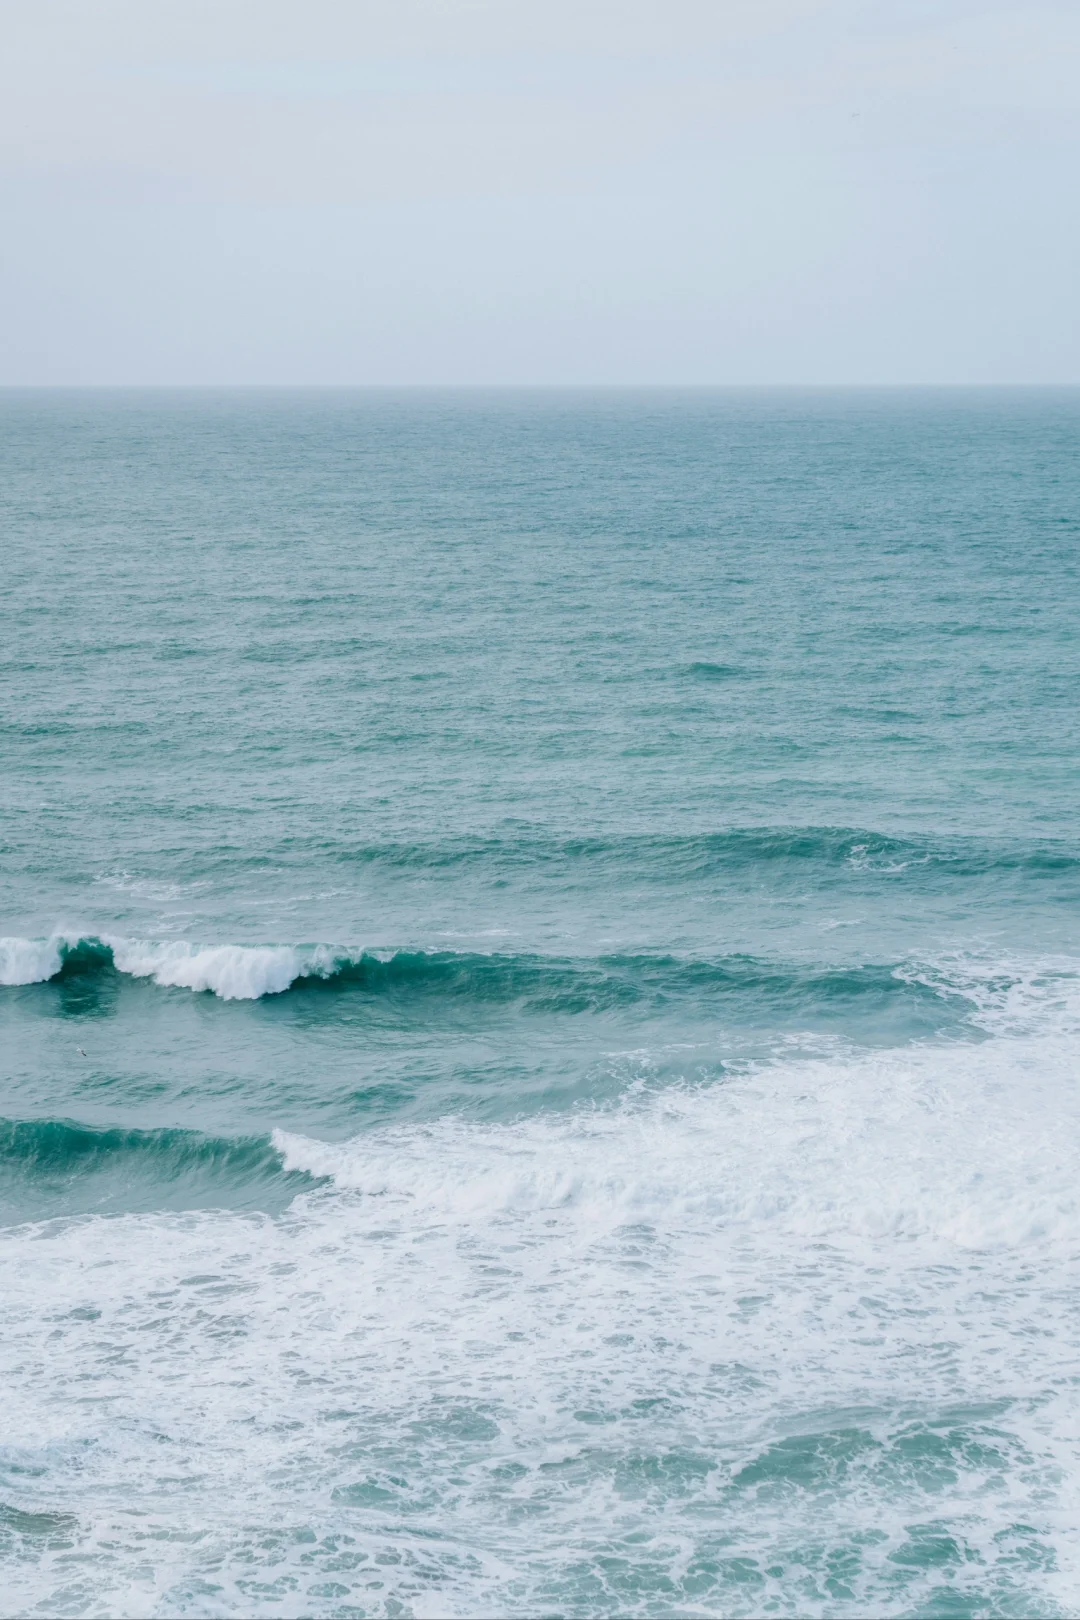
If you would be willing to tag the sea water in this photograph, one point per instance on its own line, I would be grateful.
(540, 1003)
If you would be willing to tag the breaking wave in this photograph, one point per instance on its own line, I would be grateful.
(570, 985)
(58, 1167)
(969, 1146)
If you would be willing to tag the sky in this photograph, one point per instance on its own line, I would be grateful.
(539, 191)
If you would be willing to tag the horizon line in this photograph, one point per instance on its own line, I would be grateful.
(537, 387)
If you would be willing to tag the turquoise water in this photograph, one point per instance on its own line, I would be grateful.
(540, 1003)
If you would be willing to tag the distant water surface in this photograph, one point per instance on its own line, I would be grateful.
(539, 1003)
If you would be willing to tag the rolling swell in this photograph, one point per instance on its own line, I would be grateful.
(536, 983)
(602, 984)
(745, 851)
(58, 1167)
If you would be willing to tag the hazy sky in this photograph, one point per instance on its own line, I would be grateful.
(353, 191)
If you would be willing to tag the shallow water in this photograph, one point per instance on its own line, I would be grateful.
(540, 998)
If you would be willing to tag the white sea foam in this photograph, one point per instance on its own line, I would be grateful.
(1008, 995)
(976, 1146)
(738, 1339)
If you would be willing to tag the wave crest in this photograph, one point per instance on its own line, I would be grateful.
(233, 972)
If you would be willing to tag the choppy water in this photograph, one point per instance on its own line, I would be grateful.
(540, 1004)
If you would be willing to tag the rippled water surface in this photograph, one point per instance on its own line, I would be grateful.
(539, 1004)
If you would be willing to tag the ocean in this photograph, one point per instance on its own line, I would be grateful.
(539, 1003)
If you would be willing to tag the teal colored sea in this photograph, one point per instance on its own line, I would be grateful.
(540, 1003)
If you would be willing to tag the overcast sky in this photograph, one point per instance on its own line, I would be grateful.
(484, 191)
